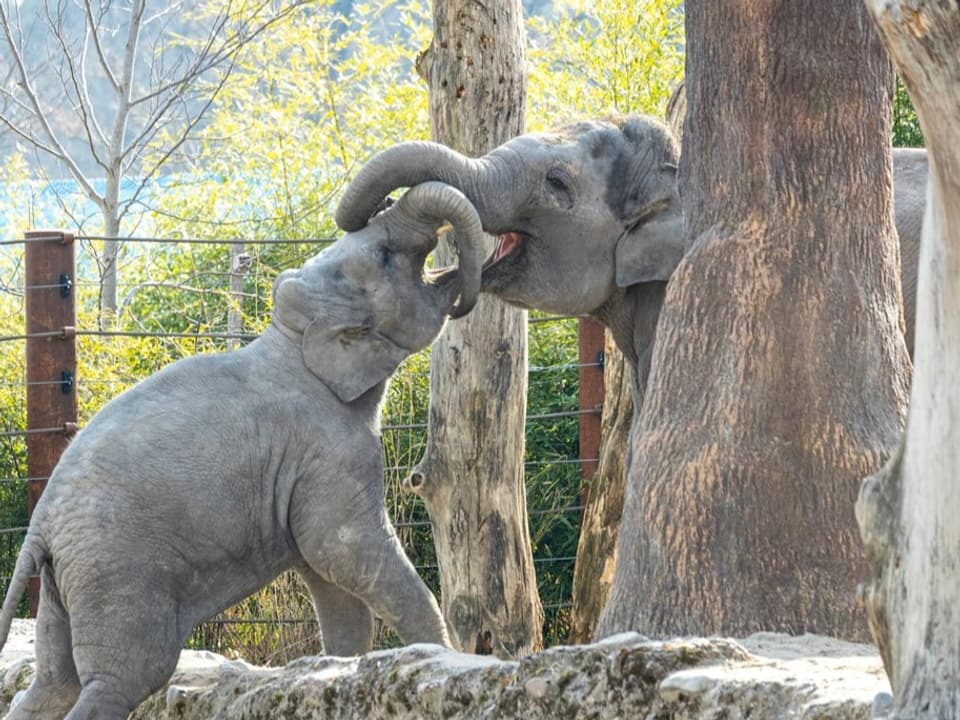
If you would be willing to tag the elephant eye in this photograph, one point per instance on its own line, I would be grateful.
(384, 254)
(559, 183)
(355, 333)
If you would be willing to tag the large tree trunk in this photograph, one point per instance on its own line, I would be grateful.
(779, 373)
(471, 478)
(600, 525)
(908, 512)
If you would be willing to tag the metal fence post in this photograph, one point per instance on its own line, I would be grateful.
(591, 396)
(50, 275)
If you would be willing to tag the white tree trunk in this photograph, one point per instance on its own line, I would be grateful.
(909, 512)
(239, 265)
(108, 269)
(471, 477)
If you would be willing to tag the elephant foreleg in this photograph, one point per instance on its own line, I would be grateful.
(346, 623)
(368, 562)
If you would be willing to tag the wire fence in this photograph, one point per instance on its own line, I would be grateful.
(164, 320)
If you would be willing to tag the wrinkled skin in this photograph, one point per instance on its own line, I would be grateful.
(201, 484)
(590, 219)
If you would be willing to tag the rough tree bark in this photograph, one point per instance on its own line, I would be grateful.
(600, 525)
(471, 477)
(908, 512)
(779, 374)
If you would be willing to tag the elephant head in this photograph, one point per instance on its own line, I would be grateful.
(578, 212)
(366, 302)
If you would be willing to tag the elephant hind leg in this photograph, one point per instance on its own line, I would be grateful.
(124, 656)
(346, 623)
(55, 686)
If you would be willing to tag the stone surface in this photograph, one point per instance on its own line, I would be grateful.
(763, 676)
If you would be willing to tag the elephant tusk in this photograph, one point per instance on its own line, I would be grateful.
(443, 229)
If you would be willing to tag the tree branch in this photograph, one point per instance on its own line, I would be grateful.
(93, 28)
(38, 112)
(211, 57)
(77, 80)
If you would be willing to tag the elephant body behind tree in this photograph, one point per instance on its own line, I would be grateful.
(589, 218)
(202, 483)
(909, 202)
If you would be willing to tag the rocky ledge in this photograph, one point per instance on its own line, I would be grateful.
(626, 676)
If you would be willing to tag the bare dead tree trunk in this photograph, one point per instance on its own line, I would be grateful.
(600, 525)
(471, 478)
(908, 512)
(107, 262)
(779, 374)
(239, 266)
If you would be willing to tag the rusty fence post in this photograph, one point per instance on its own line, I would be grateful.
(50, 281)
(591, 397)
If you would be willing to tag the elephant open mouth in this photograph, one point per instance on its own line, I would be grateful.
(508, 244)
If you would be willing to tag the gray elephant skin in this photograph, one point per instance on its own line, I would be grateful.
(202, 483)
(589, 219)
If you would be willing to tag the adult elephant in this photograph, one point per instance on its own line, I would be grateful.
(589, 219)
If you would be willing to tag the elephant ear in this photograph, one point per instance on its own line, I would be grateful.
(651, 247)
(349, 359)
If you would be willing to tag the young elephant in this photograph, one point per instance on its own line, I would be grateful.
(201, 484)
(589, 218)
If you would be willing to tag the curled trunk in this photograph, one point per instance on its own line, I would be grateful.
(429, 204)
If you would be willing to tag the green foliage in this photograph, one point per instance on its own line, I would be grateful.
(906, 124)
(553, 481)
(596, 59)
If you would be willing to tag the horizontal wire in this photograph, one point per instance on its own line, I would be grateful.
(170, 241)
(257, 621)
(65, 428)
(30, 383)
(536, 561)
(221, 335)
(47, 287)
(104, 381)
(558, 461)
(530, 513)
(313, 620)
(529, 418)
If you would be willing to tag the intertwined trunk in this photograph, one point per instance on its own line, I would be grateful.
(471, 478)
(908, 512)
(779, 375)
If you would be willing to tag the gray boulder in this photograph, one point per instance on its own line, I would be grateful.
(766, 676)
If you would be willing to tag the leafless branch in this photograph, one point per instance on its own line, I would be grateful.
(212, 56)
(78, 84)
(93, 29)
(37, 109)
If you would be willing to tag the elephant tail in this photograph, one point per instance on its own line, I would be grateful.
(33, 555)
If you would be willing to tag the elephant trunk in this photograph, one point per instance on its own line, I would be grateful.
(430, 203)
(411, 163)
